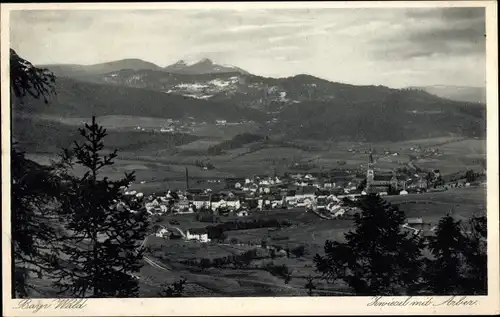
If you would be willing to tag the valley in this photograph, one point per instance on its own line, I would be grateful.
(198, 126)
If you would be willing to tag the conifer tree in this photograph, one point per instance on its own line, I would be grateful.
(102, 238)
(443, 273)
(33, 188)
(459, 262)
(378, 258)
(475, 253)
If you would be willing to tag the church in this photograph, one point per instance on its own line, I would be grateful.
(381, 182)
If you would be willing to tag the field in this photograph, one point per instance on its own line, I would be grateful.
(161, 157)
(307, 230)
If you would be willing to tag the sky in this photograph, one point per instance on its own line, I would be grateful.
(395, 47)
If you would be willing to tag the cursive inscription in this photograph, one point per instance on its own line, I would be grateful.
(463, 301)
(36, 305)
(408, 301)
(458, 301)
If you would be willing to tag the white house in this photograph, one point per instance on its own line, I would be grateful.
(242, 213)
(199, 234)
(309, 177)
(277, 203)
(264, 182)
(332, 198)
(162, 233)
(200, 202)
(233, 203)
(339, 212)
(305, 202)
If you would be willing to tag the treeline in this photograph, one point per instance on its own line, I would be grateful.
(380, 258)
(215, 232)
(281, 271)
(236, 142)
(236, 260)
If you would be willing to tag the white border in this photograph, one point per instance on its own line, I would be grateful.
(253, 305)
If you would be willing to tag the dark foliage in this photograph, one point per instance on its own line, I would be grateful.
(28, 80)
(377, 257)
(459, 264)
(236, 142)
(310, 286)
(282, 271)
(215, 231)
(104, 228)
(174, 290)
(298, 251)
(34, 188)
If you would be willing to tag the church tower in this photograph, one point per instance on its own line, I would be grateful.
(370, 175)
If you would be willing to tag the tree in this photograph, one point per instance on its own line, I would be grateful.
(310, 285)
(475, 254)
(442, 274)
(459, 264)
(174, 290)
(26, 79)
(470, 176)
(102, 240)
(299, 251)
(33, 188)
(362, 185)
(378, 258)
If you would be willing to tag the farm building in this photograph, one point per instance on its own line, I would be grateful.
(199, 234)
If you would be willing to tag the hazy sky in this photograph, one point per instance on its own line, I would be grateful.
(392, 47)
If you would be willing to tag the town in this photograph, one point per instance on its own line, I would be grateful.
(329, 195)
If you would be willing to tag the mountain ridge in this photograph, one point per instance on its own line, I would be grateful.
(454, 92)
(202, 66)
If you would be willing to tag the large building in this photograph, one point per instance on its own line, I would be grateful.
(381, 182)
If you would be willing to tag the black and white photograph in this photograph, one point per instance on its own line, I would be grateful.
(212, 152)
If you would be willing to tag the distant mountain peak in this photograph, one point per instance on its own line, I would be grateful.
(202, 66)
(205, 61)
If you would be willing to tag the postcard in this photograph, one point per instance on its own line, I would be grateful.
(258, 158)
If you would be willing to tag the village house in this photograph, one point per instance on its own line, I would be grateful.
(306, 192)
(201, 201)
(182, 204)
(235, 182)
(162, 233)
(198, 234)
(242, 213)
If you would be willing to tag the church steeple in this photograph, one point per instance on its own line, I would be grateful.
(370, 175)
